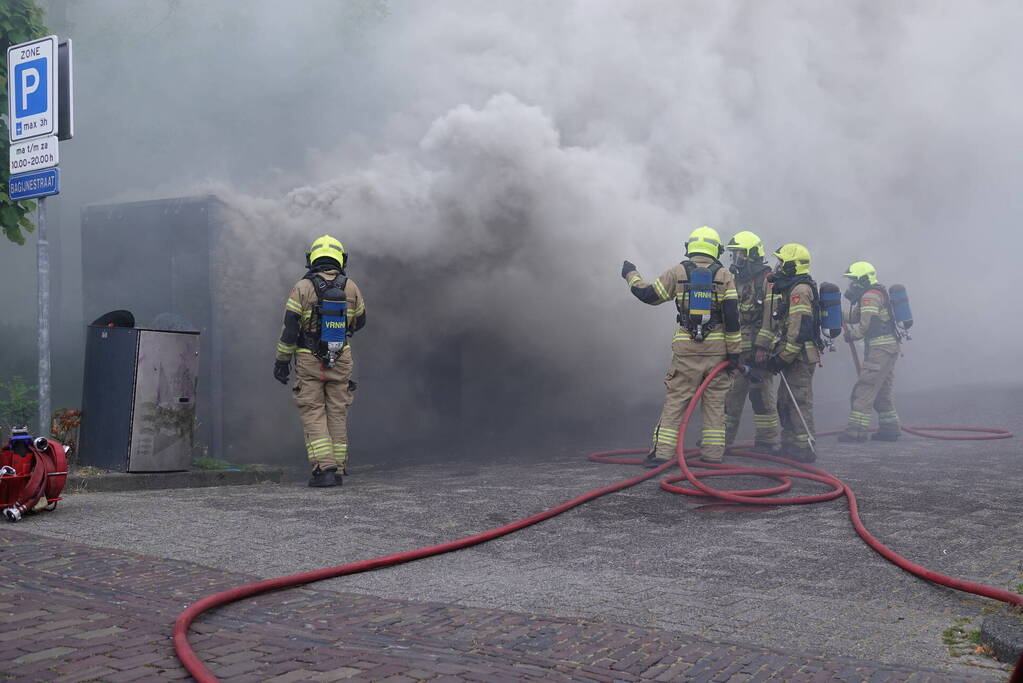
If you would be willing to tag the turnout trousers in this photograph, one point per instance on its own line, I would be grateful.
(800, 379)
(684, 376)
(874, 389)
(323, 395)
(763, 401)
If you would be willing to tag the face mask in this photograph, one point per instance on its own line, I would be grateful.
(853, 292)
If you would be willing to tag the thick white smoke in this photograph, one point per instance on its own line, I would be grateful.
(515, 153)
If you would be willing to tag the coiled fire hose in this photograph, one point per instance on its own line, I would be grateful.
(194, 665)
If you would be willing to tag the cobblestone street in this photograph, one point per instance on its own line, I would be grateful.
(82, 613)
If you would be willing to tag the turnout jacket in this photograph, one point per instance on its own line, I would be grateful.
(788, 328)
(752, 295)
(870, 320)
(724, 339)
(300, 318)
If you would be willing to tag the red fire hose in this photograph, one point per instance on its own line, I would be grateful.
(754, 496)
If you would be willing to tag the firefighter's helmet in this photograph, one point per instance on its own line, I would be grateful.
(746, 242)
(326, 247)
(794, 259)
(862, 271)
(704, 241)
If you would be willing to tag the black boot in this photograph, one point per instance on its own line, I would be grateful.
(652, 461)
(766, 448)
(798, 453)
(321, 478)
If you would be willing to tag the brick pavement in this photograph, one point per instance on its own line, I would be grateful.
(72, 612)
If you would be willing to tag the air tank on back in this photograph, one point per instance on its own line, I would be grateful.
(831, 309)
(700, 290)
(900, 306)
(333, 323)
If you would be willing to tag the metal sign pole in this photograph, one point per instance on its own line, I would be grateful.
(43, 274)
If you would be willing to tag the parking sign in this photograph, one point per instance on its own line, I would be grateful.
(32, 88)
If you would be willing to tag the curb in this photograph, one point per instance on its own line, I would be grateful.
(1004, 635)
(149, 481)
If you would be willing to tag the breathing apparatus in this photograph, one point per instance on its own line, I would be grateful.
(831, 312)
(793, 269)
(696, 313)
(327, 339)
(747, 255)
(863, 277)
(898, 304)
(332, 311)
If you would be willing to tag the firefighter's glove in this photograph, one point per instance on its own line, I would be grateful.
(627, 267)
(760, 358)
(847, 336)
(282, 368)
(775, 364)
(733, 363)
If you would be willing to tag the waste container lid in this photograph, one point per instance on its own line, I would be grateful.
(119, 318)
(172, 322)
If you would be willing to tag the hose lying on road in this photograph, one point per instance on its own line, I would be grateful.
(195, 666)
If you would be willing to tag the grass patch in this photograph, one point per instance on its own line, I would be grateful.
(88, 471)
(205, 463)
(961, 640)
(212, 464)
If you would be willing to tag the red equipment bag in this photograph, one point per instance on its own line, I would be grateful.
(32, 475)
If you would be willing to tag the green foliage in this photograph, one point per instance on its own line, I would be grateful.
(17, 407)
(20, 20)
(207, 463)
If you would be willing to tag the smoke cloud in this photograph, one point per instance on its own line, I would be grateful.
(505, 158)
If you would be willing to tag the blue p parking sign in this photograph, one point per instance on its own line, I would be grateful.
(32, 88)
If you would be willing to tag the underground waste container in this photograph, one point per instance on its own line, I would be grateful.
(138, 399)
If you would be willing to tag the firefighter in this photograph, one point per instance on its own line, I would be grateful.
(707, 334)
(871, 319)
(789, 344)
(747, 252)
(323, 386)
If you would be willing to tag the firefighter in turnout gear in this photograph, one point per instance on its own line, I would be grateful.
(707, 334)
(789, 343)
(871, 319)
(751, 283)
(323, 309)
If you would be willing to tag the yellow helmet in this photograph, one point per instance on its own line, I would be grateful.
(704, 241)
(326, 246)
(795, 259)
(748, 242)
(860, 270)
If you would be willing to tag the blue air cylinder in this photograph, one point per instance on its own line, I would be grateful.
(333, 322)
(701, 294)
(700, 290)
(900, 305)
(831, 309)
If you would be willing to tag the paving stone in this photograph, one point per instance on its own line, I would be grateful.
(621, 588)
(50, 653)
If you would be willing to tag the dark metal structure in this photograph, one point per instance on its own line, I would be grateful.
(138, 399)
